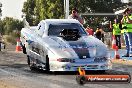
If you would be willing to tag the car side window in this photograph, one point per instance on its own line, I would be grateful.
(39, 27)
(40, 30)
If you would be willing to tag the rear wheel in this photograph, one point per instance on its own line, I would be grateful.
(129, 79)
(47, 63)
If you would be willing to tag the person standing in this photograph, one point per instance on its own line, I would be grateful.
(117, 33)
(89, 30)
(102, 34)
(98, 33)
(127, 22)
(0, 42)
(75, 15)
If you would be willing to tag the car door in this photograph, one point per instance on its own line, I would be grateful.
(39, 45)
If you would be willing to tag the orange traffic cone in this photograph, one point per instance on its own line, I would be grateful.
(117, 56)
(113, 43)
(18, 46)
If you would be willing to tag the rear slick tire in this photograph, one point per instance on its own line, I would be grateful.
(47, 64)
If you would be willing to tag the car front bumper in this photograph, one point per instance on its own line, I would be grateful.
(61, 66)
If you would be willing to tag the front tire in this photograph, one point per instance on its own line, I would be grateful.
(30, 63)
(81, 80)
(24, 50)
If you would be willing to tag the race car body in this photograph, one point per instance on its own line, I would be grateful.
(63, 45)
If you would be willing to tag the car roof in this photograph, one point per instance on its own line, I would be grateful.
(57, 21)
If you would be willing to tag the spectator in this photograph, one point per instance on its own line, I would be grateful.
(117, 33)
(76, 16)
(98, 33)
(127, 21)
(102, 34)
(89, 30)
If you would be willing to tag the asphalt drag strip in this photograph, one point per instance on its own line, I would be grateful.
(15, 73)
(49, 80)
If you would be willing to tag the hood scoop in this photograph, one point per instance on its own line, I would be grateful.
(80, 49)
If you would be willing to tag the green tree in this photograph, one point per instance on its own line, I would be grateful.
(47, 9)
(28, 9)
(37, 10)
(1, 27)
(10, 28)
(0, 9)
(9, 25)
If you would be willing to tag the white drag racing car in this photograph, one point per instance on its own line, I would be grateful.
(63, 45)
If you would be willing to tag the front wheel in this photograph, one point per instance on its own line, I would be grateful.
(81, 80)
(30, 63)
(24, 50)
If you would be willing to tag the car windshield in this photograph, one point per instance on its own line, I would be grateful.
(55, 29)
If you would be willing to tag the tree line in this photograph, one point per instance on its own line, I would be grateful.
(37, 10)
(9, 25)
(10, 29)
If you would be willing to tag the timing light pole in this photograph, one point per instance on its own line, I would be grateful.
(66, 8)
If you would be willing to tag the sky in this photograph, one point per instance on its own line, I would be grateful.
(12, 8)
(125, 1)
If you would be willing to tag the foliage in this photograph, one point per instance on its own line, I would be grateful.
(1, 27)
(11, 27)
(28, 9)
(0, 12)
(10, 39)
(37, 10)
